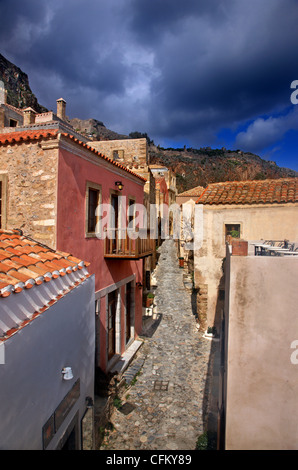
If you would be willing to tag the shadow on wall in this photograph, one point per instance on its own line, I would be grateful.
(210, 400)
(213, 436)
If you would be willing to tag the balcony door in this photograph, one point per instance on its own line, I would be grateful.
(114, 221)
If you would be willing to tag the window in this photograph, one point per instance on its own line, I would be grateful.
(131, 212)
(3, 185)
(118, 154)
(93, 199)
(233, 230)
(13, 123)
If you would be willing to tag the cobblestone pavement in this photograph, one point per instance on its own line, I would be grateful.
(165, 406)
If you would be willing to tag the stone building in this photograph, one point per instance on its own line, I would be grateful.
(250, 210)
(160, 187)
(12, 118)
(169, 194)
(51, 186)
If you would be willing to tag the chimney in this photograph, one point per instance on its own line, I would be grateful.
(2, 117)
(61, 105)
(3, 93)
(239, 247)
(29, 116)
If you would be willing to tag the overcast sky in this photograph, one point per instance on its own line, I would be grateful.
(193, 72)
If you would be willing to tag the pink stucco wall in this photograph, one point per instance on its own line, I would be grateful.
(73, 173)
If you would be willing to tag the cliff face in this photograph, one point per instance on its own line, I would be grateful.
(16, 82)
(193, 167)
(198, 167)
(95, 130)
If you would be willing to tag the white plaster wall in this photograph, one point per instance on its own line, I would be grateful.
(257, 222)
(31, 379)
(262, 386)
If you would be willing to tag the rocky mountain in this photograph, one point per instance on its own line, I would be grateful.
(95, 130)
(198, 167)
(193, 167)
(16, 82)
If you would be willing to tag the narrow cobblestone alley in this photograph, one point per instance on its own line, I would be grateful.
(165, 406)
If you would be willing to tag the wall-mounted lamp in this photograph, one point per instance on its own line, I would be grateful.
(89, 402)
(139, 284)
(119, 185)
(67, 373)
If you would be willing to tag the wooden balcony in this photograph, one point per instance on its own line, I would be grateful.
(128, 244)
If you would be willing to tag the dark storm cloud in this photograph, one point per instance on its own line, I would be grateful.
(222, 73)
(170, 68)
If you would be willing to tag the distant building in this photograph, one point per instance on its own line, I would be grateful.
(47, 347)
(191, 194)
(15, 119)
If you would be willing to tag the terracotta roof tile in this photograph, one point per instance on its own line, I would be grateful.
(270, 191)
(195, 192)
(30, 263)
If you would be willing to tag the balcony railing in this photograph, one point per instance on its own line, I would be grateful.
(128, 243)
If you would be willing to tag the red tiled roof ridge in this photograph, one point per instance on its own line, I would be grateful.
(224, 183)
(20, 136)
(192, 190)
(13, 108)
(270, 190)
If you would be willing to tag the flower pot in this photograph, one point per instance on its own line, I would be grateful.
(181, 262)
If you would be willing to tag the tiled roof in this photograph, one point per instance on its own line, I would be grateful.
(13, 108)
(25, 263)
(270, 191)
(195, 192)
(27, 136)
(39, 134)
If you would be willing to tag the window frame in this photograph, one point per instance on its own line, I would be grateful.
(3, 200)
(228, 224)
(93, 187)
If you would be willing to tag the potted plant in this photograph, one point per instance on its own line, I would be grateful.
(210, 333)
(149, 300)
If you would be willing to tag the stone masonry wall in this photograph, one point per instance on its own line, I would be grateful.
(31, 176)
(131, 152)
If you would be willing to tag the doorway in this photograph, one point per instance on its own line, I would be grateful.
(112, 308)
(128, 322)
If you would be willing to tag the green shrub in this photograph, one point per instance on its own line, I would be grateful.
(206, 441)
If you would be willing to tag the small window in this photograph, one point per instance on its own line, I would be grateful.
(3, 186)
(13, 123)
(131, 213)
(118, 154)
(92, 201)
(233, 230)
